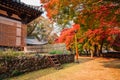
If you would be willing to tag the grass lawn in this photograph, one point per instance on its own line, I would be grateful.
(36, 74)
(87, 69)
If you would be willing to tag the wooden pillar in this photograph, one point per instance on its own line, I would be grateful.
(24, 35)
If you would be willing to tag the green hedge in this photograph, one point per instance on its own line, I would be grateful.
(59, 52)
(11, 53)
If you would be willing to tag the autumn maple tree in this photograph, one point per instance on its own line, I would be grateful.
(99, 22)
(67, 36)
(102, 27)
(116, 42)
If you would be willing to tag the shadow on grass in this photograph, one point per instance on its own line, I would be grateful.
(114, 63)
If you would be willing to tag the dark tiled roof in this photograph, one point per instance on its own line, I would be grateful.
(26, 12)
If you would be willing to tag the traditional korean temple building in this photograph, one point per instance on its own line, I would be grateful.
(14, 15)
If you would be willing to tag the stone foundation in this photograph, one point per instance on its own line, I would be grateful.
(12, 66)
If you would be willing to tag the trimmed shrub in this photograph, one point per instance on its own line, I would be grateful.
(56, 52)
(59, 52)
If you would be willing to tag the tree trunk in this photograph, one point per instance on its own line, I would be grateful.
(95, 50)
(32, 28)
(86, 52)
(92, 54)
(101, 46)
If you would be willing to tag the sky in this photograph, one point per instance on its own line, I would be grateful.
(32, 2)
(36, 3)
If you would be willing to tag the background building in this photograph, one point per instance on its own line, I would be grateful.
(14, 15)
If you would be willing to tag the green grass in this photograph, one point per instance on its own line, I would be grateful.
(39, 73)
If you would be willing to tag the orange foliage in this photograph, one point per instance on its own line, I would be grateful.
(51, 7)
(99, 19)
(97, 35)
(67, 35)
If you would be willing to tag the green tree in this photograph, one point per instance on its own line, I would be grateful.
(40, 28)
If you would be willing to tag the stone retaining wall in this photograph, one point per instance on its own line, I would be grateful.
(12, 66)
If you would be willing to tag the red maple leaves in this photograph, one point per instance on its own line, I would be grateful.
(67, 35)
(100, 23)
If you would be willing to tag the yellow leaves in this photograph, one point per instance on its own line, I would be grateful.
(65, 20)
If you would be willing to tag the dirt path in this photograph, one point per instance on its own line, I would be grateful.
(88, 69)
